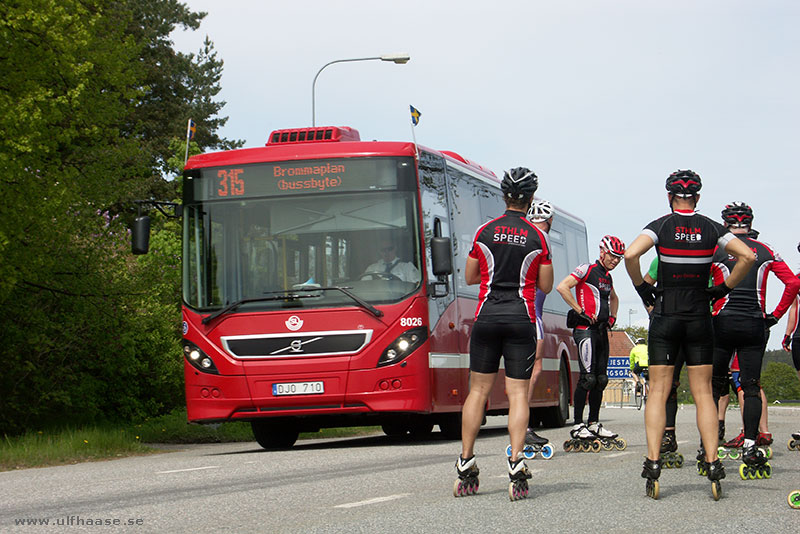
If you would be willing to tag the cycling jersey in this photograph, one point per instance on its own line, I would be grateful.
(748, 299)
(685, 242)
(638, 356)
(509, 250)
(593, 290)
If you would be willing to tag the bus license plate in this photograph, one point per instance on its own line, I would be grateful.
(298, 388)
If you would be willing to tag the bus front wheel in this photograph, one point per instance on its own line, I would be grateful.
(273, 435)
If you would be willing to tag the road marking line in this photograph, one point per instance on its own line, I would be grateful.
(617, 454)
(185, 470)
(372, 501)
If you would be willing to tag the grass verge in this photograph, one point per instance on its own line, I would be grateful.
(68, 446)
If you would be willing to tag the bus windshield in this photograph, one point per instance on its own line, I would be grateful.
(250, 248)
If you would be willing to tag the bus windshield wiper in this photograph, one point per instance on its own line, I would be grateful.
(233, 305)
(290, 294)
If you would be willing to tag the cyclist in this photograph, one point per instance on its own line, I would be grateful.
(681, 317)
(510, 258)
(741, 325)
(638, 363)
(593, 312)
(541, 215)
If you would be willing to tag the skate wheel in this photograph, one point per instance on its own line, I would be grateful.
(607, 445)
(508, 451)
(651, 487)
(734, 455)
(760, 473)
(768, 452)
(722, 453)
(528, 452)
(794, 499)
(621, 444)
(567, 446)
(458, 488)
(679, 461)
(668, 464)
(791, 444)
(743, 471)
(767, 471)
(716, 489)
(596, 446)
(548, 451)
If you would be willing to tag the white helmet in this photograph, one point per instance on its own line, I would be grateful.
(540, 211)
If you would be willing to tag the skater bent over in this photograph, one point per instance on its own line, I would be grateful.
(741, 327)
(593, 313)
(681, 318)
(510, 258)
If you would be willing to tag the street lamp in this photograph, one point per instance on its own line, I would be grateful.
(399, 59)
(630, 311)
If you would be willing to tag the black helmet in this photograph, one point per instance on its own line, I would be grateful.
(640, 341)
(684, 183)
(738, 214)
(519, 183)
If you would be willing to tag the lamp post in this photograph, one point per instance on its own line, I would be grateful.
(399, 59)
(630, 311)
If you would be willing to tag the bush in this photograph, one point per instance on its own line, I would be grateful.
(779, 381)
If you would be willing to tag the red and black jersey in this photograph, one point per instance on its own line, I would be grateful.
(685, 242)
(509, 250)
(749, 298)
(593, 291)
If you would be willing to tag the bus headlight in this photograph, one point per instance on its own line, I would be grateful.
(404, 345)
(198, 359)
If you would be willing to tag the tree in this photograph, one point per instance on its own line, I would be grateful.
(780, 382)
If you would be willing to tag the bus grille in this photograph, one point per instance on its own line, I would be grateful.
(297, 345)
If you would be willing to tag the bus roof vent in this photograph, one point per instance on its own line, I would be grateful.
(322, 134)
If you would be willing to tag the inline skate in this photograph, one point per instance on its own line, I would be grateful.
(702, 469)
(763, 442)
(715, 472)
(608, 439)
(670, 457)
(651, 470)
(794, 499)
(467, 481)
(754, 464)
(518, 475)
(582, 440)
(732, 449)
(794, 442)
(530, 452)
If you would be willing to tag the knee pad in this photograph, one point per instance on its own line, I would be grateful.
(719, 386)
(751, 387)
(602, 382)
(588, 381)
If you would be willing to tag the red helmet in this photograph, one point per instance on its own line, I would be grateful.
(612, 245)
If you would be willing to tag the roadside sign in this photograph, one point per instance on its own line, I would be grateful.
(619, 367)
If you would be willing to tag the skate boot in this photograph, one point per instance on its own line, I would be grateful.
(794, 442)
(715, 472)
(518, 475)
(754, 463)
(721, 434)
(582, 440)
(670, 457)
(467, 481)
(763, 442)
(608, 439)
(651, 470)
(731, 449)
(534, 445)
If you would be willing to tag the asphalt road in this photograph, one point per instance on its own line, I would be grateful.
(379, 484)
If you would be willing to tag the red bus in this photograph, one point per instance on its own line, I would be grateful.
(289, 324)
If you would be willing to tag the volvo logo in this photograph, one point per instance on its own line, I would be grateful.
(294, 323)
(297, 346)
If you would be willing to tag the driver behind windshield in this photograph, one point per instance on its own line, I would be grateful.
(390, 266)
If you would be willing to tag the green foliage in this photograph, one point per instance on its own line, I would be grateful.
(780, 382)
(636, 332)
(92, 99)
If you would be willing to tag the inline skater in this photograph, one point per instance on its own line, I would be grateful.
(510, 259)
(670, 457)
(741, 325)
(541, 215)
(791, 343)
(764, 439)
(681, 316)
(593, 313)
(638, 363)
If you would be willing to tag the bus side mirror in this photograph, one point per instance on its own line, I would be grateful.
(441, 259)
(140, 235)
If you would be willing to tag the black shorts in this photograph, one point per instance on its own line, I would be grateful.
(670, 335)
(796, 352)
(515, 342)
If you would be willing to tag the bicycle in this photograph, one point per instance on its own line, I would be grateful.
(642, 390)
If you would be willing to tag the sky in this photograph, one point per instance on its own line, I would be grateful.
(602, 99)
